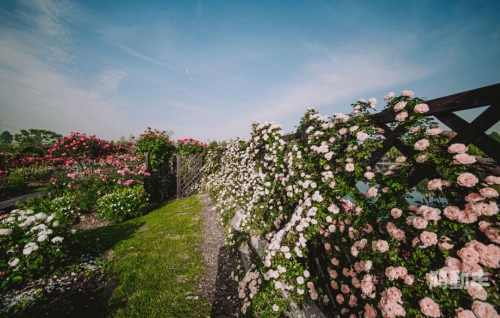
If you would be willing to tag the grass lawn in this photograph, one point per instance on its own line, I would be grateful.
(153, 262)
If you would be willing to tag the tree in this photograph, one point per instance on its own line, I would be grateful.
(36, 137)
(6, 137)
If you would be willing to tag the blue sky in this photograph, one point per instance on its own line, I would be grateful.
(208, 69)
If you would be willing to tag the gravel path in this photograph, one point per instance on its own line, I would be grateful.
(216, 284)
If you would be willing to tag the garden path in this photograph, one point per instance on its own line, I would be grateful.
(216, 283)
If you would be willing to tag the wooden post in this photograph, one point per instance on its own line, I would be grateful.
(303, 135)
(178, 173)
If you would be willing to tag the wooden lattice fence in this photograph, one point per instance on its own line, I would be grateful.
(189, 174)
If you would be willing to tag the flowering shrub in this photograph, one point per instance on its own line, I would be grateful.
(64, 208)
(122, 204)
(385, 256)
(157, 144)
(30, 244)
(79, 147)
(91, 179)
(190, 146)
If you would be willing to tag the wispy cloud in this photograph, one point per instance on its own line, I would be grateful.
(199, 9)
(345, 74)
(144, 57)
(110, 80)
(36, 93)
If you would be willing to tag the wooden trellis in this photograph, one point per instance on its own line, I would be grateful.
(444, 109)
(189, 174)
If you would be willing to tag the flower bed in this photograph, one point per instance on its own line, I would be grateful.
(385, 256)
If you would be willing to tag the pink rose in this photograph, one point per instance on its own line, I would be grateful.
(483, 226)
(493, 235)
(421, 158)
(401, 116)
(492, 180)
(483, 310)
(352, 301)
(349, 167)
(430, 214)
(474, 197)
(380, 245)
(457, 148)
(369, 175)
(463, 159)
(429, 307)
(367, 285)
(409, 279)
(422, 144)
(394, 294)
(391, 273)
(398, 235)
(345, 289)
(433, 132)
(343, 131)
(488, 209)
(334, 285)
(468, 255)
(420, 222)
(421, 108)
(462, 313)
(467, 180)
(372, 191)
(361, 136)
(340, 298)
(396, 213)
(489, 192)
(355, 282)
(474, 209)
(472, 269)
(479, 247)
(476, 291)
(399, 106)
(367, 265)
(415, 129)
(453, 263)
(401, 272)
(408, 94)
(370, 312)
(448, 276)
(428, 239)
(333, 273)
(445, 242)
(435, 184)
(415, 241)
(400, 159)
(494, 251)
(466, 218)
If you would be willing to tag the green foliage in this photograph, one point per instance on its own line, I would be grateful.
(36, 137)
(157, 145)
(122, 204)
(13, 182)
(6, 137)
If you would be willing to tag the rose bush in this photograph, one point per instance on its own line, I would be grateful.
(190, 146)
(386, 257)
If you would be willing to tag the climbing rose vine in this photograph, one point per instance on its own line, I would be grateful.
(382, 256)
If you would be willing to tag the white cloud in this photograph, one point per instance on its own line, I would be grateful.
(39, 84)
(346, 74)
(110, 80)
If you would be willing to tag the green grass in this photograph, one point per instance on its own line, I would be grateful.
(154, 262)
